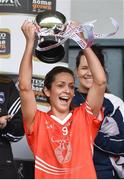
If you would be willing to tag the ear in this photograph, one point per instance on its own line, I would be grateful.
(46, 92)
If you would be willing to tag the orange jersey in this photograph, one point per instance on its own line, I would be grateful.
(64, 149)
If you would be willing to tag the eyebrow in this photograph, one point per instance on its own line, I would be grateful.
(65, 81)
(83, 65)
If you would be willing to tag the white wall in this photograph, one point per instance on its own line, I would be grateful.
(88, 10)
(64, 6)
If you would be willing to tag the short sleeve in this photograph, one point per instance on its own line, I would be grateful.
(93, 121)
(32, 136)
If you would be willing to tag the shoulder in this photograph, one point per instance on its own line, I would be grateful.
(41, 116)
(83, 108)
(113, 104)
(113, 98)
(39, 113)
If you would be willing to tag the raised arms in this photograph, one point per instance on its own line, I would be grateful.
(96, 92)
(28, 102)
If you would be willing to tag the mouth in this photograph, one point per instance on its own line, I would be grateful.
(64, 99)
(88, 78)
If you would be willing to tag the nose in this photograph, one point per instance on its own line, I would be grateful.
(89, 72)
(67, 89)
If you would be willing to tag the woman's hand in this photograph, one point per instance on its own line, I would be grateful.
(4, 120)
(29, 29)
(76, 24)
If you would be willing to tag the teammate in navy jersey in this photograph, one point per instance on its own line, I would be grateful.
(110, 139)
(11, 126)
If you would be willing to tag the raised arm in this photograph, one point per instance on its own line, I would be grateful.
(28, 102)
(96, 92)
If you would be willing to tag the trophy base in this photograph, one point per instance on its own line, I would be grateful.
(50, 56)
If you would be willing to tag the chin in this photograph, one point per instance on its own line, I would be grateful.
(88, 85)
(64, 109)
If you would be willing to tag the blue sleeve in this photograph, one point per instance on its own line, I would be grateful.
(112, 144)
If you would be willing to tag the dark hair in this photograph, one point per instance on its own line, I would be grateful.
(98, 52)
(50, 76)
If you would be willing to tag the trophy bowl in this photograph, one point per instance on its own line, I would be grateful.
(50, 19)
(52, 22)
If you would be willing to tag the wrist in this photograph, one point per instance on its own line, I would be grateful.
(30, 41)
(30, 45)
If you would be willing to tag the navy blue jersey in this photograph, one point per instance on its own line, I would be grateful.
(13, 131)
(10, 104)
(110, 138)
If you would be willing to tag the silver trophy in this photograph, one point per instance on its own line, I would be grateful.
(52, 25)
(55, 30)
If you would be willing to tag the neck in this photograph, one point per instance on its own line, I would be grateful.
(60, 115)
(82, 89)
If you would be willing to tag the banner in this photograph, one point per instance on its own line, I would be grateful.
(27, 6)
(4, 43)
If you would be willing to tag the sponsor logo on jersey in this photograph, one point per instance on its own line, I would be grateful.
(2, 97)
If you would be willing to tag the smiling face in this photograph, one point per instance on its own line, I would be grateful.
(61, 93)
(84, 75)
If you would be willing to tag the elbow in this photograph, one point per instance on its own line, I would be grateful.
(23, 86)
(102, 83)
